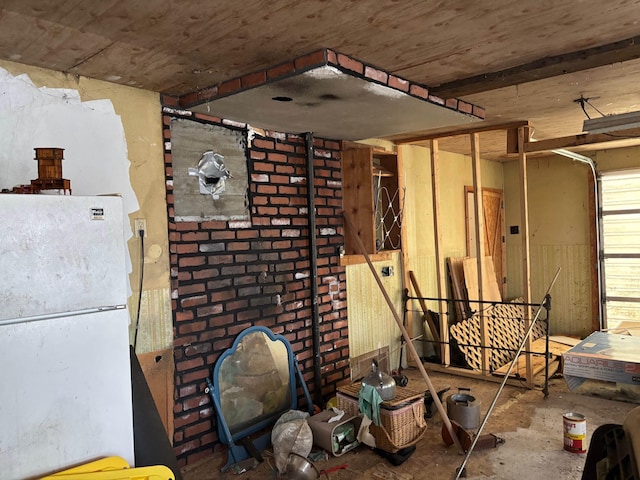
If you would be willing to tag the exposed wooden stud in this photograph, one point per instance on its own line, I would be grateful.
(403, 242)
(622, 51)
(512, 141)
(479, 227)
(524, 232)
(445, 351)
(593, 257)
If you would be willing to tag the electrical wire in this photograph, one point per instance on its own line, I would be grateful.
(135, 335)
(581, 101)
(594, 107)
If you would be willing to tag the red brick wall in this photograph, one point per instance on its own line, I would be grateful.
(229, 275)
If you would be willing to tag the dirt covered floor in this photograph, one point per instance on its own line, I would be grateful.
(531, 426)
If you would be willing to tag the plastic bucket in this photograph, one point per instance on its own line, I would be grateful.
(575, 432)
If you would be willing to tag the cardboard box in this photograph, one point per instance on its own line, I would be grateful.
(605, 356)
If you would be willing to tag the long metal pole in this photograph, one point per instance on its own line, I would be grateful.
(506, 376)
(407, 339)
(313, 253)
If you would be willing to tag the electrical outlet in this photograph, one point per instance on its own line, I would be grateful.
(387, 271)
(139, 224)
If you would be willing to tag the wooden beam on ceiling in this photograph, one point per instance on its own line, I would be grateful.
(583, 139)
(468, 129)
(622, 51)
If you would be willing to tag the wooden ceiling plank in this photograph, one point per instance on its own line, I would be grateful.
(467, 129)
(50, 43)
(622, 51)
(160, 68)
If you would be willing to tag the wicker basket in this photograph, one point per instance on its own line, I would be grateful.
(402, 421)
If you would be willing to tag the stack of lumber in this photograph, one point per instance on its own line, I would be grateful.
(463, 273)
(556, 349)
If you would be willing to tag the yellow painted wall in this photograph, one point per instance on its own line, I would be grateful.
(558, 224)
(139, 111)
(618, 159)
(559, 238)
(370, 320)
(455, 173)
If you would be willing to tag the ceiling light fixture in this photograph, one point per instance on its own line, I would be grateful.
(611, 123)
(572, 155)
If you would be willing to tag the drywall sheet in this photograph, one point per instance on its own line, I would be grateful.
(189, 141)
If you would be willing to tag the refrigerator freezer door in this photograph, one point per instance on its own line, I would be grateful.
(66, 398)
(60, 254)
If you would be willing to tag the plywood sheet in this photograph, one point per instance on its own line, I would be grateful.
(357, 172)
(570, 341)
(520, 370)
(539, 346)
(490, 289)
(627, 328)
(158, 371)
(555, 348)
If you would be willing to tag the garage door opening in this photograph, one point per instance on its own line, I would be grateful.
(620, 223)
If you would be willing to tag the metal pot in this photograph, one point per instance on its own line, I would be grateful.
(383, 383)
(464, 409)
(299, 468)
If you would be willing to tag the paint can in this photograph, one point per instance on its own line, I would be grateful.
(575, 432)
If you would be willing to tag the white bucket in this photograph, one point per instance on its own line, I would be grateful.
(575, 432)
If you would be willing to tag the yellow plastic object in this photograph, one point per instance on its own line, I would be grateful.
(333, 402)
(102, 465)
(156, 472)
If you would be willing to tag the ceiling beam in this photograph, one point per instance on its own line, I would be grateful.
(622, 51)
(467, 129)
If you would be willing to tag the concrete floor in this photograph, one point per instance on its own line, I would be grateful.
(531, 426)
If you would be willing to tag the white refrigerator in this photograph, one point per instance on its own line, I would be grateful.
(65, 378)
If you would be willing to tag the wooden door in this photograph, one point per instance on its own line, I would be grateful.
(493, 211)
